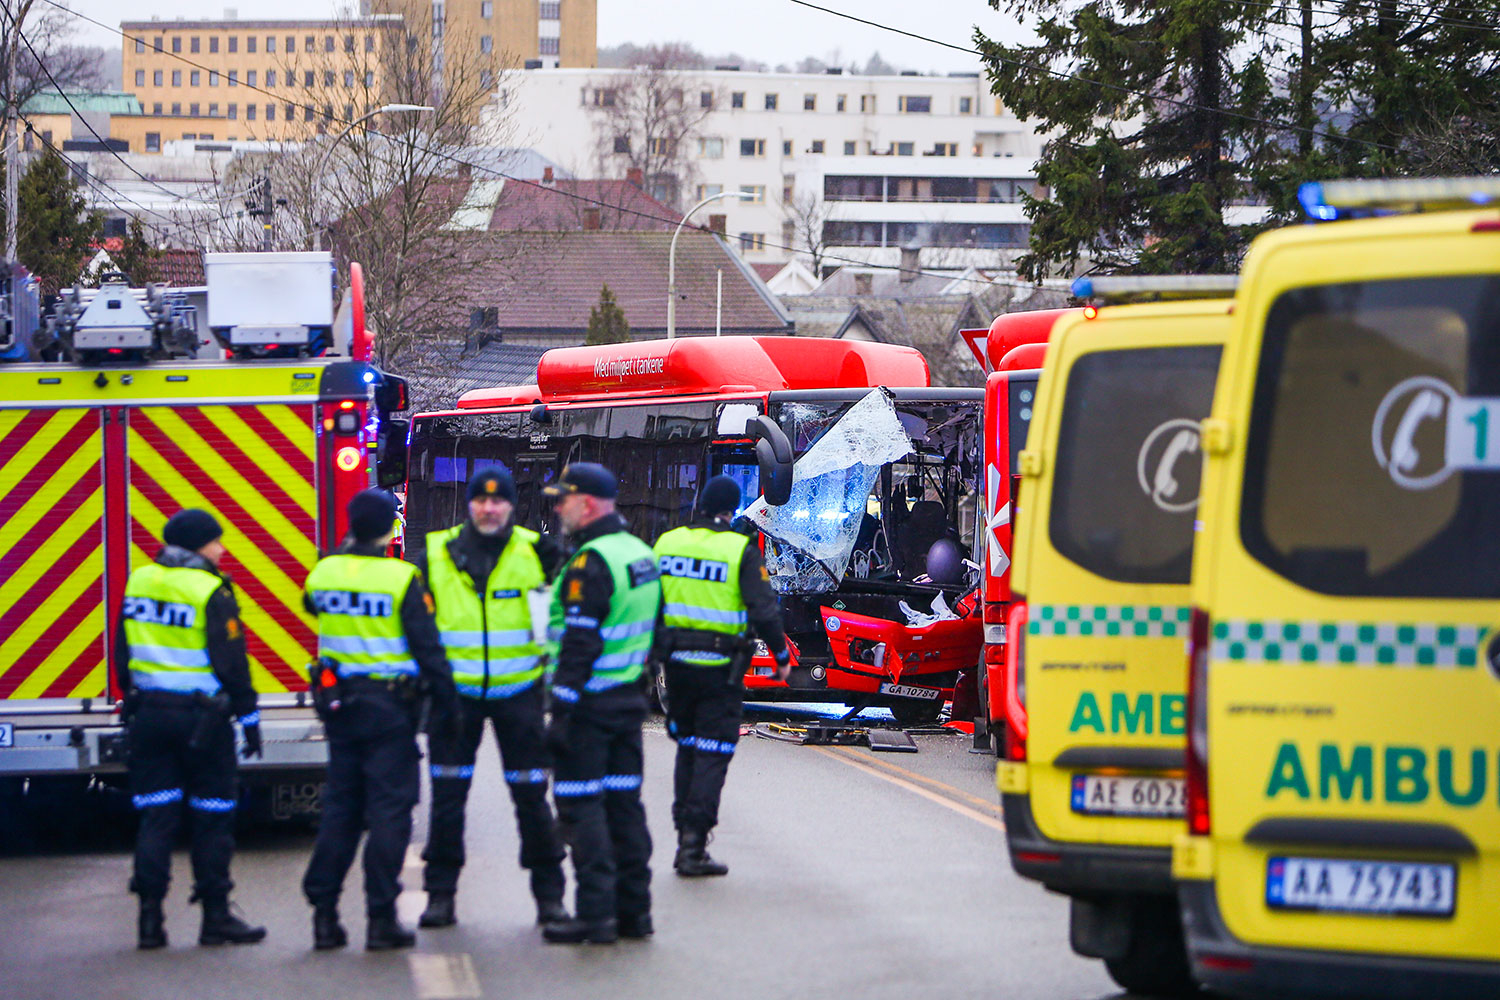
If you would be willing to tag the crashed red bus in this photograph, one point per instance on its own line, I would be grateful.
(861, 479)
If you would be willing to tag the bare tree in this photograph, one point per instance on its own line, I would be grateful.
(806, 219)
(646, 120)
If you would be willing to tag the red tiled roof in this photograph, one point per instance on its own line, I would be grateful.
(566, 206)
(767, 270)
(180, 268)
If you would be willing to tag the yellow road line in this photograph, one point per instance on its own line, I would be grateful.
(942, 786)
(946, 802)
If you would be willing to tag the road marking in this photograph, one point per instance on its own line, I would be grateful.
(843, 757)
(443, 977)
(942, 786)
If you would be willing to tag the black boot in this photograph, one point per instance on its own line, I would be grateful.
(328, 933)
(551, 911)
(151, 926)
(580, 931)
(439, 912)
(385, 933)
(692, 860)
(222, 927)
(636, 926)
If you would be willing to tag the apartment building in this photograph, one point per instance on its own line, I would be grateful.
(870, 163)
(539, 33)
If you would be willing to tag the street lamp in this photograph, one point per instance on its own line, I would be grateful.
(328, 153)
(672, 256)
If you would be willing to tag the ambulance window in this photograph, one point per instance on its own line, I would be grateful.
(1370, 465)
(1128, 464)
(1022, 398)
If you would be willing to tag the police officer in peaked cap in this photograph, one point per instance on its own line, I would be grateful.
(483, 575)
(715, 589)
(378, 645)
(179, 659)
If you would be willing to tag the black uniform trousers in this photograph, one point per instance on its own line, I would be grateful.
(598, 792)
(520, 733)
(166, 773)
(704, 708)
(373, 785)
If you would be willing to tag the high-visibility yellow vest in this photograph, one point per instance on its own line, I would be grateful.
(490, 641)
(165, 613)
(358, 601)
(700, 588)
(631, 623)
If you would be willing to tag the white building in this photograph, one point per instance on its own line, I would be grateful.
(872, 162)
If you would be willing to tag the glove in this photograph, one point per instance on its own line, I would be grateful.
(784, 664)
(253, 746)
(446, 724)
(559, 732)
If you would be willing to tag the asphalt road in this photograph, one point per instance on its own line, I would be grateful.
(852, 874)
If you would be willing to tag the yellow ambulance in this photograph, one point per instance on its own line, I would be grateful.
(1344, 692)
(1093, 794)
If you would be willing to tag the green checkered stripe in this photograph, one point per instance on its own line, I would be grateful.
(1388, 644)
(1100, 620)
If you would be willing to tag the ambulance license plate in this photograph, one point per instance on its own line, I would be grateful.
(911, 691)
(7, 734)
(1388, 888)
(1128, 795)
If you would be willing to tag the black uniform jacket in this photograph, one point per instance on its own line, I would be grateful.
(225, 639)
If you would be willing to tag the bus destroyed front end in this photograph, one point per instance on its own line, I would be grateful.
(872, 554)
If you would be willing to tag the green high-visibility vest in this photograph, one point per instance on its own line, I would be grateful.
(165, 613)
(358, 601)
(628, 628)
(489, 641)
(700, 588)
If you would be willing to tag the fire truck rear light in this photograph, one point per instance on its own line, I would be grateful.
(347, 404)
(347, 459)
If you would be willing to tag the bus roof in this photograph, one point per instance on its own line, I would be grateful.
(709, 365)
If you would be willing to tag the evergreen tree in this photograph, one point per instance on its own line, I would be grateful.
(607, 321)
(137, 257)
(56, 227)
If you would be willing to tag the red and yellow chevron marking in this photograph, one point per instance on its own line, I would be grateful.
(52, 616)
(252, 467)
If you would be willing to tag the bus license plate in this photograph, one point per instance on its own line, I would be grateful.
(1392, 888)
(910, 691)
(1126, 795)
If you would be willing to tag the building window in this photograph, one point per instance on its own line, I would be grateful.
(771, 102)
(195, 78)
(140, 78)
(752, 147)
(234, 111)
(177, 78)
(156, 108)
(867, 104)
(270, 78)
(193, 44)
(850, 148)
(153, 142)
(752, 242)
(737, 99)
(234, 78)
(913, 105)
(662, 146)
(140, 45)
(369, 43)
(156, 44)
(234, 43)
(250, 112)
(809, 102)
(369, 78)
(487, 79)
(206, 135)
(757, 193)
(250, 43)
(271, 112)
(816, 147)
(291, 113)
(328, 78)
(786, 147)
(348, 112)
(193, 110)
(711, 148)
(190, 135)
(270, 43)
(348, 43)
(349, 78)
(291, 44)
(905, 148)
(551, 10)
(842, 104)
(176, 110)
(604, 98)
(486, 44)
(622, 144)
(309, 43)
(249, 77)
(176, 43)
(307, 78)
(706, 99)
(213, 78)
(307, 113)
(327, 43)
(944, 149)
(709, 190)
(966, 105)
(487, 9)
(549, 46)
(213, 43)
(156, 77)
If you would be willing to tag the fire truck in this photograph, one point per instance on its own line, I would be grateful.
(244, 412)
(861, 479)
(1010, 351)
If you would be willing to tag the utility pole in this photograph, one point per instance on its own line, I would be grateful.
(1305, 118)
(10, 115)
(264, 210)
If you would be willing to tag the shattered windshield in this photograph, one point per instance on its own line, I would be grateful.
(875, 483)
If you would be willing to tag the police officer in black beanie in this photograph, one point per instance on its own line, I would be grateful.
(377, 635)
(484, 574)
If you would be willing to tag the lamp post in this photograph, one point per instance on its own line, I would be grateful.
(672, 256)
(328, 153)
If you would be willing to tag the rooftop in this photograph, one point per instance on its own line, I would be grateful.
(109, 102)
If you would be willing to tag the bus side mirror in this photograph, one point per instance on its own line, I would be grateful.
(390, 453)
(391, 394)
(773, 453)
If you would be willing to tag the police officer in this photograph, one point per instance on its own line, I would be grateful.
(377, 637)
(714, 588)
(482, 574)
(604, 609)
(179, 658)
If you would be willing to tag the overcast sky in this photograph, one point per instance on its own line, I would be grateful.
(772, 31)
